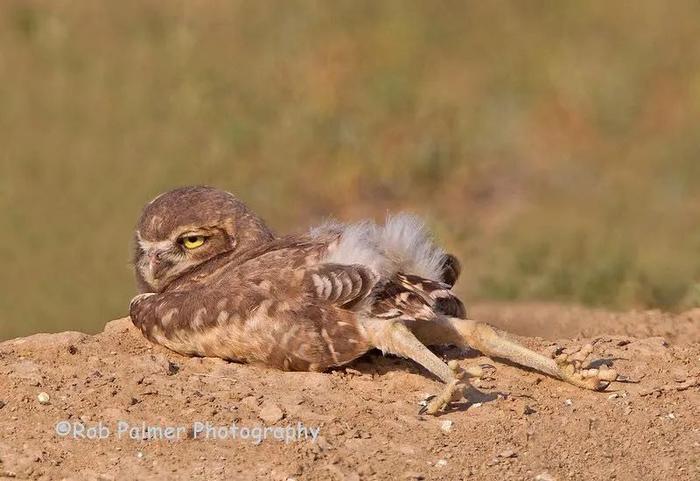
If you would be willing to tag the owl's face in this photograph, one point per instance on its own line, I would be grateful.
(185, 227)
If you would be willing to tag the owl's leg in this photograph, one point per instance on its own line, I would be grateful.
(395, 338)
(567, 367)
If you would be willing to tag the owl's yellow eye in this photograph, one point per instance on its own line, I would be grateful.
(193, 241)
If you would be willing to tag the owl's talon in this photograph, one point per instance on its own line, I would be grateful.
(571, 361)
(453, 391)
(488, 367)
(424, 404)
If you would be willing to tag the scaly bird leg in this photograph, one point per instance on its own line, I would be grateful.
(484, 338)
(395, 338)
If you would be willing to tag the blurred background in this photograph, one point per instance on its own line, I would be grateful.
(554, 146)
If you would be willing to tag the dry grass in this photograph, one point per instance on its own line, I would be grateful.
(554, 147)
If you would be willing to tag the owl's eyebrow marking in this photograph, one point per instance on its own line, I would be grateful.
(193, 229)
(154, 245)
(194, 233)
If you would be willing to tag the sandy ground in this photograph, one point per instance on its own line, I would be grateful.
(515, 425)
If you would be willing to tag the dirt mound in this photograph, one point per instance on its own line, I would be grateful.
(113, 407)
(555, 320)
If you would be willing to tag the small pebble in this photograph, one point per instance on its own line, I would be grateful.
(545, 477)
(508, 453)
(270, 412)
(440, 463)
(446, 425)
(568, 402)
(43, 398)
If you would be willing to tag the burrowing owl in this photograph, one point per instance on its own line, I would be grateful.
(215, 281)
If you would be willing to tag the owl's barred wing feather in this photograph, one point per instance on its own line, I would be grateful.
(410, 297)
(438, 295)
(404, 296)
(342, 285)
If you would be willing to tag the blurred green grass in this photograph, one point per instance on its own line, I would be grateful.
(553, 145)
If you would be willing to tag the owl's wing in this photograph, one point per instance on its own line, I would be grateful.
(404, 296)
(277, 316)
(290, 316)
(411, 297)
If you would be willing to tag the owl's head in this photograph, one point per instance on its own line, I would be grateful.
(185, 227)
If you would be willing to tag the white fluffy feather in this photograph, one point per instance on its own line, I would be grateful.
(402, 244)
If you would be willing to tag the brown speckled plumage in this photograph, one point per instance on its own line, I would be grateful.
(272, 314)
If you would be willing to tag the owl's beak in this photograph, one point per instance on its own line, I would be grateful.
(157, 265)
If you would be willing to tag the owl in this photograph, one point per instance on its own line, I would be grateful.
(216, 281)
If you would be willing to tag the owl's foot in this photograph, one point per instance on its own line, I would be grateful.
(567, 365)
(570, 363)
(454, 390)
